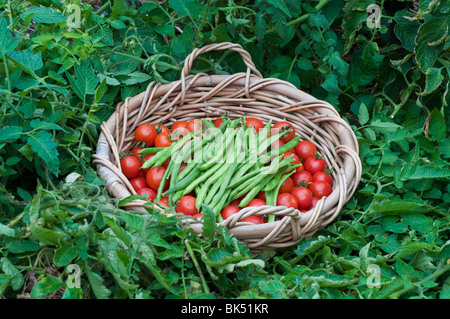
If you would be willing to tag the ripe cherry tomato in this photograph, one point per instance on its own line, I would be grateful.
(314, 202)
(186, 205)
(314, 165)
(287, 186)
(262, 195)
(160, 128)
(138, 183)
(143, 171)
(280, 126)
(288, 200)
(218, 122)
(304, 197)
(257, 124)
(182, 167)
(302, 178)
(253, 219)
(322, 176)
(178, 133)
(145, 133)
(229, 210)
(256, 202)
(198, 215)
(164, 201)
(135, 151)
(178, 125)
(194, 125)
(150, 193)
(163, 140)
(305, 149)
(320, 189)
(236, 202)
(130, 166)
(154, 177)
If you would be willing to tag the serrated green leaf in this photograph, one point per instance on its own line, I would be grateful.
(85, 80)
(363, 114)
(432, 31)
(209, 222)
(46, 15)
(433, 80)
(43, 145)
(11, 133)
(191, 8)
(405, 29)
(27, 60)
(7, 231)
(437, 125)
(7, 43)
(64, 255)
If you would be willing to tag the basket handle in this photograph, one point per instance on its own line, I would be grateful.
(189, 61)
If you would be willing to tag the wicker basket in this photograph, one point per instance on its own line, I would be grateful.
(238, 95)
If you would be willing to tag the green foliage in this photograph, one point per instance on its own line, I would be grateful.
(58, 82)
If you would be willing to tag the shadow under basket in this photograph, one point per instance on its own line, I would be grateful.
(245, 94)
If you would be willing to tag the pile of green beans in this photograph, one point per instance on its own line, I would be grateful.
(235, 162)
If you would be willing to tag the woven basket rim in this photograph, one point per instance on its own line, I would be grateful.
(167, 107)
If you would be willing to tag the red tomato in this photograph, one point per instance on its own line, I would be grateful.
(135, 151)
(130, 166)
(256, 202)
(145, 133)
(314, 202)
(186, 205)
(320, 189)
(150, 193)
(262, 195)
(302, 176)
(280, 126)
(218, 122)
(314, 165)
(296, 159)
(257, 124)
(305, 149)
(288, 200)
(146, 157)
(160, 128)
(178, 133)
(138, 183)
(304, 197)
(322, 176)
(253, 219)
(287, 186)
(277, 144)
(198, 215)
(177, 125)
(229, 210)
(235, 202)
(194, 125)
(182, 167)
(163, 140)
(154, 177)
(164, 201)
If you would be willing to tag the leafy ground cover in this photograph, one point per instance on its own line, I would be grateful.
(65, 65)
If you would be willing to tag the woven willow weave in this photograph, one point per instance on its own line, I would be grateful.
(242, 94)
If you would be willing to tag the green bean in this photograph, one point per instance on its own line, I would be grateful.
(221, 202)
(254, 191)
(151, 150)
(221, 187)
(219, 156)
(207, 185)
(184, 182)
(274, 195)
(166, 175)
(205, 174)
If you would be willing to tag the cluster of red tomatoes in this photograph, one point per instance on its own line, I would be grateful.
(309, 183)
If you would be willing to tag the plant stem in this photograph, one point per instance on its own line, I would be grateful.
(197, 266)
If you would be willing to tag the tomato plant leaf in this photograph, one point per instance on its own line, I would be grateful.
(43, 144)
